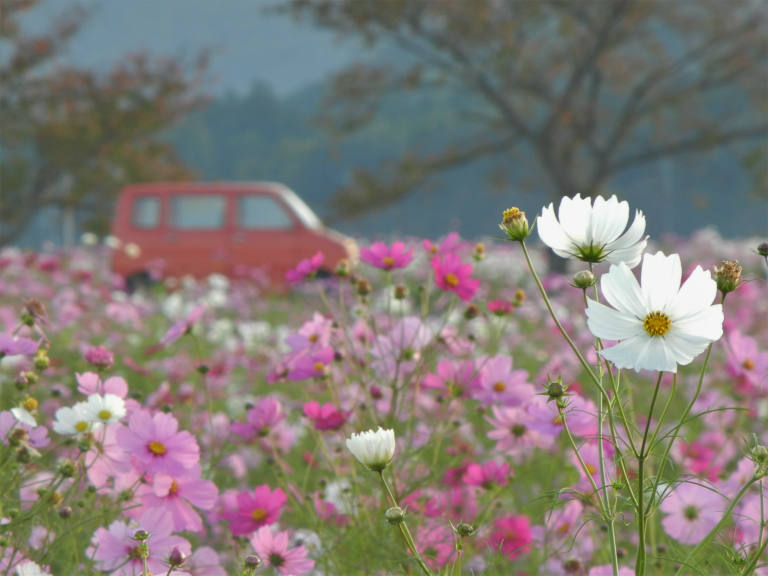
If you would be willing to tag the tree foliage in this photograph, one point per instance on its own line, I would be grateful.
(587, 90)
(70, 138)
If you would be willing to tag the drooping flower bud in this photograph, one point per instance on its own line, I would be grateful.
(728, 276)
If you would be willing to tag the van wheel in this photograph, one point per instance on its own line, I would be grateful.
(138, 281)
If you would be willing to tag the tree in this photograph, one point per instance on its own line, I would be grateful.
(71, 138)
(585, 90)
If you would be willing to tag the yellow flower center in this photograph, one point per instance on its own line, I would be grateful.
(748, 364)
(657, 323)
(105, 414)
(258, 514)
(81, 426)
(591, 469)
(563, 528)
(319, 366)
(30, 404)
(388, 261)
(174, 488)
(451, 279)
(313, 338)
(499, 386)
(511, 214)
(157, 448)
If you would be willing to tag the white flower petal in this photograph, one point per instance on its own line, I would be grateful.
(610, 324)
(621, 290)
(575, 214)
(551, 233)
(633, 235)
(685, 347)
(660, 279)
(706, 323)
(698, 291)
(624, 354)
(609, 218)
(631, 255)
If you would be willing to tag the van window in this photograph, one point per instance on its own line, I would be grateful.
(260, 212)
(146, 212)
(198, 211)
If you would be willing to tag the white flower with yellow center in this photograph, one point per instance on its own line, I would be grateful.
(106, 409)
(70, 421)
(659, 323)
(373, 449)
(593, 233)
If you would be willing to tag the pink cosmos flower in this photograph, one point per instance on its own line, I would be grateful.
(590, 455)
(455, 378)
(434, 540)
(386, 257)
(325, 417)
(35, 436)
(511, 535)
(203, 562)
(500, 307)
(177, 497)
(305, 268)
(692, 510)
(261, 419)
(115, 548)
(453, 276)
(746, 364)
(156, 444)
(451, 243)
(182, 326)
(252, 510)
(16, 345)
(90, 383)
(310, 363)
(513, 433)
(500, 384)
(748, 520)
(272, 548)
(487, 475)
(99, 356)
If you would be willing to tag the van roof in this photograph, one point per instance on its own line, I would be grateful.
(217, 186)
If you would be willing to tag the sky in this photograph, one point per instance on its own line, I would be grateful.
(249, 43)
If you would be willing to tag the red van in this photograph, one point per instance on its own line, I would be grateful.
(205, 228)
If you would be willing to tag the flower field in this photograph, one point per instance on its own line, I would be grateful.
(440, 407)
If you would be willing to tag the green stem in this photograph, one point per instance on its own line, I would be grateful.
(404, 528)
(640, 511)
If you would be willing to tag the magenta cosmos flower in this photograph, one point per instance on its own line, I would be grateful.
(511, 535)
(453, 276)
(273, 549)
(486, 475)
(386, 257)
(15, 345)
(692, 510)
(325, 417)
(157, 445)
(183, 326)
(255, 509)
(305, 268)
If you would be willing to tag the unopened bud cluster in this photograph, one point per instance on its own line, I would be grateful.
(515, 224)
(728, 276)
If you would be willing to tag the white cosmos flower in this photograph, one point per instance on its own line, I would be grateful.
(373, 449)
(71, 421)
(593, 233)
(106, 409)
(659, 323)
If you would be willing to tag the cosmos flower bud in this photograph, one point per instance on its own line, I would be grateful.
(762, 249)
(342, 268)
(373, 449)
(463, 529)
(99, 357)
(584, 279)
(252, 561)
(479, 253)
(728, 276)
(471, 312)
(363, 287)
(395, 515)
(401, 292)
(141, 535)
(176, 557)
(515, 224)
(65, 512)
